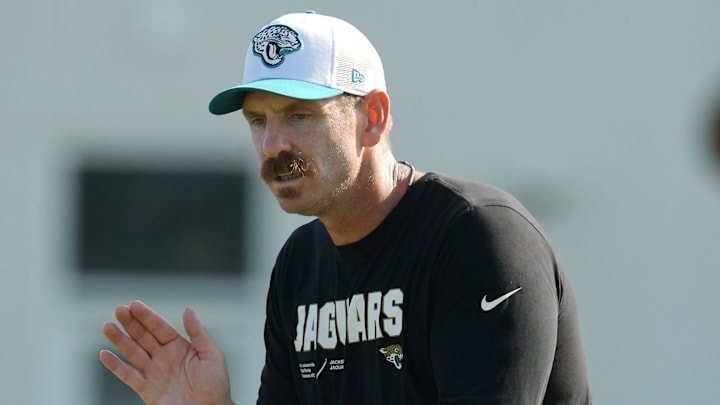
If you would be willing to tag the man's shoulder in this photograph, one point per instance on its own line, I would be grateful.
(476, 202)
(474, 193)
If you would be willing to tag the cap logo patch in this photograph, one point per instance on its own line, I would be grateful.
(274, 42)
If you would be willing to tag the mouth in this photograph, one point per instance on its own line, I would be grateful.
(289, 176)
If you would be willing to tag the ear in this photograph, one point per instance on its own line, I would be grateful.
(377, 112)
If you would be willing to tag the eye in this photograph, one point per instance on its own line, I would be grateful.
(300, 116)
(256, 121)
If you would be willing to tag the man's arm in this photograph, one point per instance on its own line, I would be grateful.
(165, 368)
(276, 382)
(497, 304)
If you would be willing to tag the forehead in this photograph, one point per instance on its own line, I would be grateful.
(256, 101)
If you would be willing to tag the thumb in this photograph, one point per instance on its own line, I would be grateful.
(199, 334)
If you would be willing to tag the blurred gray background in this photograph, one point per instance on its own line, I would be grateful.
(593, 114)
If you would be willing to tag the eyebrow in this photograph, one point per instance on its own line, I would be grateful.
(316, 105)
(247, 113)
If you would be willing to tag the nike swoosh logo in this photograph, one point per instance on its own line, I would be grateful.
(488, 306)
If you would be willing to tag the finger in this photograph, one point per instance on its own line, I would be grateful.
(162, 330)
(123, 371)
(135, 329)
(199, 335)
(129, 348)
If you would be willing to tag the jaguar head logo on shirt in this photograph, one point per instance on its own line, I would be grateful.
(393, 354)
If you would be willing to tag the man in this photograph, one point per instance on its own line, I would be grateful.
(409, 288)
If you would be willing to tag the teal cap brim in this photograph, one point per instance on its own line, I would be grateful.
(233, 98)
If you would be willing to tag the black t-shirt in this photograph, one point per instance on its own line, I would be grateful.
(456, 298)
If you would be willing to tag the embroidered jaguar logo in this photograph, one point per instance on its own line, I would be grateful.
(393, 354)
(274, 42)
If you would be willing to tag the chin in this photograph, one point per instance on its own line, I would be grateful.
(294, 206)
(305, 207)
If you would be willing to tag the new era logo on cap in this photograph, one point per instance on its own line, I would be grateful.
(306, 56)
(357, 77)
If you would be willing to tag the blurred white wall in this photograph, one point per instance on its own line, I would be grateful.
(590, 112)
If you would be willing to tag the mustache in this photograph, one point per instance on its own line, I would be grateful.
(284, 164)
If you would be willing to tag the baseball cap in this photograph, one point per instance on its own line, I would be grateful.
(307, 56)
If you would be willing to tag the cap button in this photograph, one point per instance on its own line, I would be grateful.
(310, 12)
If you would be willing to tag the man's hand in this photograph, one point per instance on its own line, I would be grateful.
(166, 368)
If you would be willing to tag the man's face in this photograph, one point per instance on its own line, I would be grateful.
(309, 151)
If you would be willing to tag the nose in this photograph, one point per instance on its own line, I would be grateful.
(274, 139)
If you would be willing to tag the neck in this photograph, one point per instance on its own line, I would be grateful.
(370, 201)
